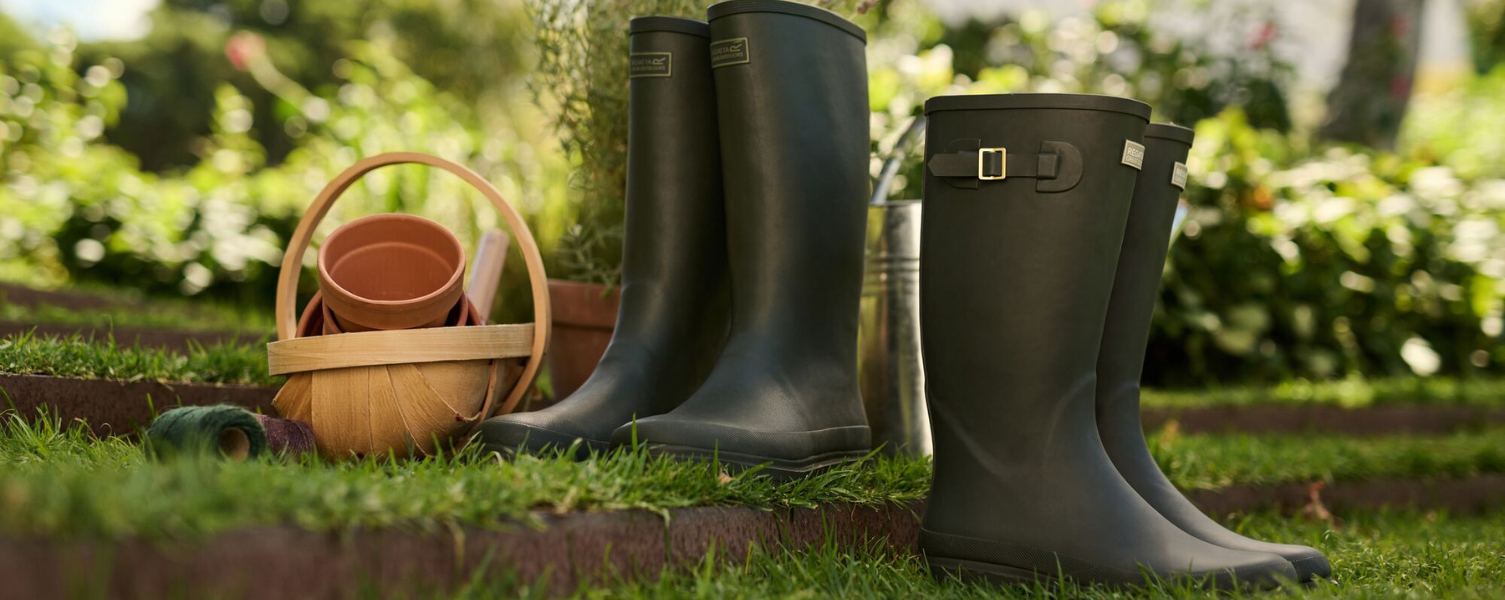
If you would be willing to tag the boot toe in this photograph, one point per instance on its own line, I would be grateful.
(1270, 573)
(1310, 564)
(537, 433)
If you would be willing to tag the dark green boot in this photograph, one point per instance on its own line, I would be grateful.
(791, 91)
(1122, 358)
(1026, 199)
(674, 314)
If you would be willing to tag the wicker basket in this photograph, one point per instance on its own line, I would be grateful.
(376, 392)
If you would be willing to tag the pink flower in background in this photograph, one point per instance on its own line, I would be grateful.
(244, 48)
(1263, 36)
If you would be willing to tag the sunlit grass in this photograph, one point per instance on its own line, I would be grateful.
(165, 315)
(75, 356)
(1352, 393)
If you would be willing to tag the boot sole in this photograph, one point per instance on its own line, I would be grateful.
(971, 571)
(581, 452)
(777, 468)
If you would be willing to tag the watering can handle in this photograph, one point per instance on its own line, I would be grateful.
(292, 261)
(894, 160)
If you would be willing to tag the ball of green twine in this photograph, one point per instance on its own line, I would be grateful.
(228, 431)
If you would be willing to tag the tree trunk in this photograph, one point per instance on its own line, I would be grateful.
(1367, 105)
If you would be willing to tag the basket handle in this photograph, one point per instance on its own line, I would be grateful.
(292, 261)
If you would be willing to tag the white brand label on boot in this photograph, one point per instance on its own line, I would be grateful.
(1178, 175)
(651, 64)
(1133, 154)
(730, 52)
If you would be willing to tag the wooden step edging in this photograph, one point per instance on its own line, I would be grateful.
(560, 552)
(117, 407)
(286, 562)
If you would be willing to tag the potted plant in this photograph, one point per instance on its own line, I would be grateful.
(582, 78)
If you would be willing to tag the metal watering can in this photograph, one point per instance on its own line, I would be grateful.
(890, 361)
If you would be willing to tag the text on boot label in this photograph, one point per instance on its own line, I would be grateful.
(1178, 175)
(651, 64)
(730, 52)
(1133, 154)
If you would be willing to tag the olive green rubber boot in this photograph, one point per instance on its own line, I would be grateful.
(1121, 360)
(1026, 200)
(791, 92)
(674, 314)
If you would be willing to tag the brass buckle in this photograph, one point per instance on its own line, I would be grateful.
(1003, 164)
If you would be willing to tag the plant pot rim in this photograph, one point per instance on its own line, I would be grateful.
(339, 296)
(1039, 101)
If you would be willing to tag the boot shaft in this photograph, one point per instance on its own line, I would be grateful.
(793, 112)
(1016, 268)
(1140, 265)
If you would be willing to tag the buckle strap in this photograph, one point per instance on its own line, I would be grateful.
(964, 163)
(990, 164)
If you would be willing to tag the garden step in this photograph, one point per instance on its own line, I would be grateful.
(116, 407)
(287, 562)
(562, 551)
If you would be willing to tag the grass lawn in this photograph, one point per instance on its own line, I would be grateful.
(75, 356)
(130, 309)
(57, 481)
(1375, 555)
(1207, 461)
(1350, 393)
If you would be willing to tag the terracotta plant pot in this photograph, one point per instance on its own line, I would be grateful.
(391, 271)
(583, 322)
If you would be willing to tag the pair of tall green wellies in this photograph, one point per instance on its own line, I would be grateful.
(1047, 221)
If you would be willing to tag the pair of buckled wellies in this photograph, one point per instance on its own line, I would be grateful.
(747, 181)
(1047, 223)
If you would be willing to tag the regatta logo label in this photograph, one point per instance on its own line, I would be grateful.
(726, 53)
(651, 64)
(1133, 154)
(1178, 175)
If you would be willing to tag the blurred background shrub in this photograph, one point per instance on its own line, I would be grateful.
(178, 163)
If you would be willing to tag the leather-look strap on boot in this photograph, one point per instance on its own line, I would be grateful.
(965, 164)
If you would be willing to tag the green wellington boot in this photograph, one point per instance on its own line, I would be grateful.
(1026, 199)
(791, 94)
(674, 314)
(1121, 360)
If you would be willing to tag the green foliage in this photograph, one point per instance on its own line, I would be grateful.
(104, 359)
(581, 76)
(78, 209)
(1343, 262)
(1460, 128)
(1113, 50)
(474, 49)
(1486, 27)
